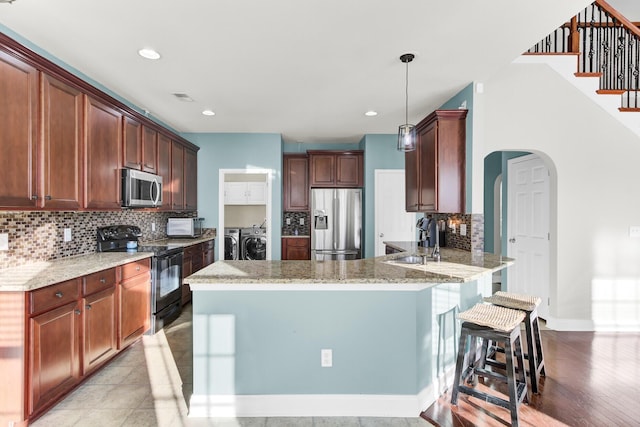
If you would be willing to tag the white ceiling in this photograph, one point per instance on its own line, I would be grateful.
(307, 69)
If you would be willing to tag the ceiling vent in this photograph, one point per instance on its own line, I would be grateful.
(183, 97)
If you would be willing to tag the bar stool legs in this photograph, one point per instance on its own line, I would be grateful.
(495, 324)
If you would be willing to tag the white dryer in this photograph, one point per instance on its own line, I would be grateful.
(231, 243)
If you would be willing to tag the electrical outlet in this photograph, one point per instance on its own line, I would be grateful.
(301, 221)
(153, 226)
(288, 221)
(634, 231)
(463, 229)
(67, 234)
(326, 358)
(4, 242)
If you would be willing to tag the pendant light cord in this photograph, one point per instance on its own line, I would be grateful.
(406, 95)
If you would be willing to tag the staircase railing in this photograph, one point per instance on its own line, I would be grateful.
(608, 45)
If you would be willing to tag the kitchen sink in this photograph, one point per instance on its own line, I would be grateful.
(409, 259)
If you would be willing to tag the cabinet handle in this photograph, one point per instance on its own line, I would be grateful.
(88, 307)
(48, 197)
(58, 294)
(34, 197)
(103, 280)
(512, 240)
(138, 268)
(77, 311)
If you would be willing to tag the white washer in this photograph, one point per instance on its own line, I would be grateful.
(231, 243)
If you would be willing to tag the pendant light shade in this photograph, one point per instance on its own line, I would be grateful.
(406, 132)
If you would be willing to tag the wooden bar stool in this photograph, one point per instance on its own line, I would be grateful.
(501, 325)
(534, 354)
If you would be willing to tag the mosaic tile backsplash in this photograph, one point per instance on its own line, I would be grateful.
(38, 236)
(290, 230)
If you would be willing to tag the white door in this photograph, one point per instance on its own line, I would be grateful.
(528, 228)
(392, 222)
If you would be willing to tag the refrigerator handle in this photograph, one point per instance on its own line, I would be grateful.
(336, 223)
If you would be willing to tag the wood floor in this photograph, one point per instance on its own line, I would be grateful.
(592, 379)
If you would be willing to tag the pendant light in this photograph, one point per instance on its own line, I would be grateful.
(407, 132)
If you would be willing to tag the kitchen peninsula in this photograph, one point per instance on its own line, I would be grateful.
(329, 338)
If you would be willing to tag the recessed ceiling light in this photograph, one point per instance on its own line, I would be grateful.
(149, 53)
(371, 113)
(208, 113)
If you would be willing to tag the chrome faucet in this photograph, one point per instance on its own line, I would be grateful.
(436, 248)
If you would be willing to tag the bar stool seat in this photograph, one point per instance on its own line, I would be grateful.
(501, 325)
(534, 354)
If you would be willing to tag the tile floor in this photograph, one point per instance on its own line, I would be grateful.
(146, 385)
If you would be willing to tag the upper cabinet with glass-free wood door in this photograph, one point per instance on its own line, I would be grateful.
(335, 168)
(435, 171)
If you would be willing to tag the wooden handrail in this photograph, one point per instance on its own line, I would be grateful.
(619, 17)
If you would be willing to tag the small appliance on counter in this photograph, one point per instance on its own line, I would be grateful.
(185, 227)
(166, 271)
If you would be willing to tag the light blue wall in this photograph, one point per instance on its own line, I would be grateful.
(238, 151)
(454, 103)
(380, 152)
(301, 147)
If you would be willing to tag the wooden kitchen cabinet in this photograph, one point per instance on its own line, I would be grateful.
(296, 248)
(195, 258)
(135, 301)
(54, 343)
(18, 133)
(295, 183)
(131, 143)
(435, 171)
(336, 168)
(190, 180)
(177, 176)
(149, 149)
(164, 170)
(99, 328)
(62, 125)
(103, 142)
(208, 253)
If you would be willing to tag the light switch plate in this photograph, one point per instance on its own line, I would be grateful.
(301, 221)
(326, 358)
(67, 234)
(4, 242)
(463, 229)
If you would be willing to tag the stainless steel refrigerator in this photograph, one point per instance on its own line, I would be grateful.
(336, 223)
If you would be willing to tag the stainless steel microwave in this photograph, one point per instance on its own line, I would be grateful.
(141, 189)
(184, 227)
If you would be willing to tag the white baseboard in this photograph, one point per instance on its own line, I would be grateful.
(320, 405)
(569, 324)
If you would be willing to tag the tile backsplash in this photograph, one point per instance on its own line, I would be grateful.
(38, 236)
(290, 229)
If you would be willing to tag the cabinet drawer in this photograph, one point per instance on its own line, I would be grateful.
(54, 296)
(192, 250)
(98, 281)
(209, 244)
(134, 268)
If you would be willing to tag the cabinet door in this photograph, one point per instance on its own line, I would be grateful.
(322, 170)
(428, 169)
(135, 308)
(208, 254)
(149, 149)
(18, 133)
(349, 170)
(62, 123)
(191, 180)
(256, 193)
(54, 365)
(100, 335)
(296, 183)
(177, 176)
(296, 249)
(411, 179)
(164, 170)
(131, 143)
(102, 156)
(235, 193)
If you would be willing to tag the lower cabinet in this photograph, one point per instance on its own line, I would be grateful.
(72, 329)
(195, 258)
(135, 301)
(296, 248)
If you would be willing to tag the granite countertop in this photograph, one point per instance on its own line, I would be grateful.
(29, 277)
(37, 275)
(456, 266)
